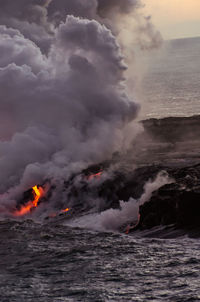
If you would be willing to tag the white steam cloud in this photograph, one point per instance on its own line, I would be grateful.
(113, 219)
(63, 102)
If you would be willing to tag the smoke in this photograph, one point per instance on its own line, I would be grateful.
(135, 33)
(30, 18)
(114, 219)
(58, 9)
(63, 101)
(124, 7)
(37, 20)
(129, 23)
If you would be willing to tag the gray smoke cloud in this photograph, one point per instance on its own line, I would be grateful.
(38, 19)
(63, 101)
(125, 18)
(124, 7)
(30, 18)
(58, 9)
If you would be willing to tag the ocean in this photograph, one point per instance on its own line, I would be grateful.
(170, 81)
(52, 261)
(58, 263)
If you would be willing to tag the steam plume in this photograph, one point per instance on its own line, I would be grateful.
(63, 100)
(114, 219)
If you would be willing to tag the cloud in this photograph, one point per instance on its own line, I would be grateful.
(63, 95)
(124, 7)
(59, 9)
(66, 107)
(30, 18)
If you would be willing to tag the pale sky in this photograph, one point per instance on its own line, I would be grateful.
(175, 18)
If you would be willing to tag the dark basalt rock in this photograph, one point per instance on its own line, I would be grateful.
(173, 129)
(177, 203)
(170, 144)
(120, 185)
(27, 196)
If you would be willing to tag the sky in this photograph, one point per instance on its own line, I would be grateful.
(175, 18)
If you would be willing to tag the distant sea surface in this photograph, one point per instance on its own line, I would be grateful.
(170, 85)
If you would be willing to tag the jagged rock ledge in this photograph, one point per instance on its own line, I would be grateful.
(174, 146)
(172, 129)
(176, 204)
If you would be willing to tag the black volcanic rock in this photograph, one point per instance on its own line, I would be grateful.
(170, 144)
(173, 129)
(177, 203)
(189, 209)
(120, 185)
(160, 209)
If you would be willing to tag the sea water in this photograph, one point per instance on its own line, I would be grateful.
(51, 263)
(170, 83)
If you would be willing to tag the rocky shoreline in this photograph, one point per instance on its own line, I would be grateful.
(178, 203)
(173, 129)
(171, 145)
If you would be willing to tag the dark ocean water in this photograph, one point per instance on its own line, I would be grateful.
(54, 262)
(58, 263)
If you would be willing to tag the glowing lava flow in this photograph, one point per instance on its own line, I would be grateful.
(132, 227)
(66, 210)
(96, 175)
(53, 215)
(37, 192)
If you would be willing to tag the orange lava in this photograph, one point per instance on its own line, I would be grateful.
(96, 175)
(66, 210)
(37, 192)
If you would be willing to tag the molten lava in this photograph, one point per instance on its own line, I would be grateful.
(56, 214)
(66, 210)
(132, 227)
(96, 175)
(37, 193)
